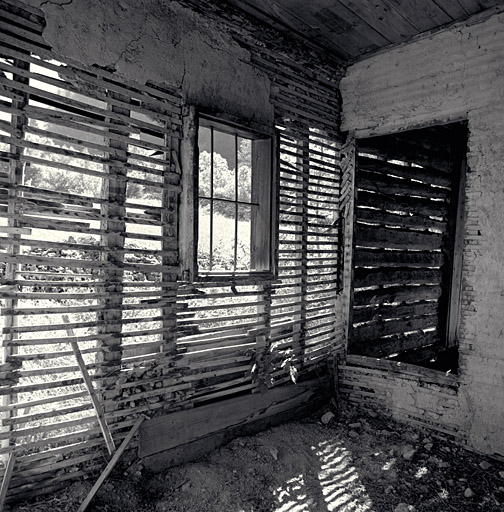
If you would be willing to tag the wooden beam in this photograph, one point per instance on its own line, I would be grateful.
(167, 432)
(455, 290)
(6, 479)
(89, 386)
(113, 461)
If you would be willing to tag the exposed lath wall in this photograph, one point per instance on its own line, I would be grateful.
(130, 305)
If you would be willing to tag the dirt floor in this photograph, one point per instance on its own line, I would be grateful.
(354, 463)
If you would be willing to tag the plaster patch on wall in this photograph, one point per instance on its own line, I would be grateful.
(162, 42)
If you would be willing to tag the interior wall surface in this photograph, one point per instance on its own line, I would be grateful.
(454, 75)
(163, 42)
(269, 362)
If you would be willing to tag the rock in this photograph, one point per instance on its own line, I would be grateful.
(501, 489)
(501, 474)
(410, 437)
(186, 486)
(468, 493)
(389, 489)
(442, 464)
(445, 449)
(428, 446)
(274, 453)
(355, 425)
(409, 453)
(404, 507)
(352, 434)
(327, 418)
(485, 465)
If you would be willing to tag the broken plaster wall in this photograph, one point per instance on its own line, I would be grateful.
(163, 42)
(452, 75)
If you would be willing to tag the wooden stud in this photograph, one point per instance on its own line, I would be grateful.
(9, 468)
(89, 386)
(113, 461)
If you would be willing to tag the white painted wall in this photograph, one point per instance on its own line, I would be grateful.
(452, 75)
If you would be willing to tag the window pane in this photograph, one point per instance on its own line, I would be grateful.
(244, 233)
(223, 235)
(244, 169)
(204, 234)
(224, 164)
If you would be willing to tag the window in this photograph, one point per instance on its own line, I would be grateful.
(234, 200)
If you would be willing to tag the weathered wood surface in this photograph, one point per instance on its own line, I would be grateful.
(395, 343)
(423, 174)
(124, 303)
(9, 469)
(404, 220)
(112, 463)
(388, 311)
(417, 205)
(376, 329)
(384, 258)
(395, 275)
(386, 184)
(166, 432)
(400, 238)
(394, 294)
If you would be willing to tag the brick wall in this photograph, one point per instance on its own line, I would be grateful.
(449, 76)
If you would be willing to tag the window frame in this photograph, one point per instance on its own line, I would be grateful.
(264, 241)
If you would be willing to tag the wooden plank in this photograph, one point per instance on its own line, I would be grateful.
(371, 236)
(384, 18)
(395, 344)
(110, 466)
(389, 311)
(379, 328)
(455, 290)
(411, 205)
(404, 220)
(9, 468)
(167, 432)
(89, 386)
(383, 258)
(386, 184)
(395, 275)
(400, 148)
(397, 294)
(426, 374)
(423, 174)
(422, 14)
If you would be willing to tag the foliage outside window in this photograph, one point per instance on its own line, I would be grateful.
(234, 200)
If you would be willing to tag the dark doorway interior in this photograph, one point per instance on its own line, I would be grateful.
(408, 246)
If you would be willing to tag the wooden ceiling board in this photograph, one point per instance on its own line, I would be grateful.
(336, 20)
(282, 19)
(470, 6)
(352, 29)
(422, 14)
(339, 25)
(384, 18)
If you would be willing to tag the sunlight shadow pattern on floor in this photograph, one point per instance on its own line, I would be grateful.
(342, 489)
(293, 496)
